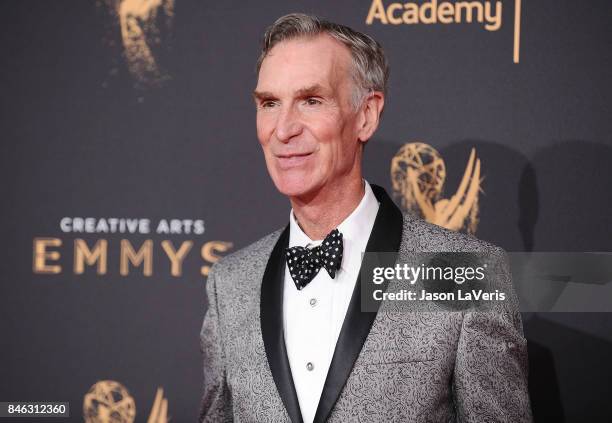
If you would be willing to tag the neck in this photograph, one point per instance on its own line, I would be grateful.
(323, 211)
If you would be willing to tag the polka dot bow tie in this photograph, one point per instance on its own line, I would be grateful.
(305, 263)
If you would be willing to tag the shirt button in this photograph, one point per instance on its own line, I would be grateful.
(309, 366)
(313, 302)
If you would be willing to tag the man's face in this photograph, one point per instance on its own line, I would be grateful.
(306, 122)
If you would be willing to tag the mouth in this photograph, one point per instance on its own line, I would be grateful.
(288, 161)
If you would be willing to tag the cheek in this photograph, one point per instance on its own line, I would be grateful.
(332, 143)
(265, 127)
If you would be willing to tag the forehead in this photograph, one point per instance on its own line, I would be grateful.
(293, 64)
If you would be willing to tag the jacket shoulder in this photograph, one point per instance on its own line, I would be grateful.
(253, 256)
(421, 235)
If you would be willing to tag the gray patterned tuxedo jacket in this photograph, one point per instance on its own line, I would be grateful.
(387, 367)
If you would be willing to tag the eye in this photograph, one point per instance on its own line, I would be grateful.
(267, 104)
(313, 101)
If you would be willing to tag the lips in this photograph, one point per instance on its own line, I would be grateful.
(287, 161)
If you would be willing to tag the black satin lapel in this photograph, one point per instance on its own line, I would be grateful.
(386, 236)
(271, 311)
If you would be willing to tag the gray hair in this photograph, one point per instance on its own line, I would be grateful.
(370, 67)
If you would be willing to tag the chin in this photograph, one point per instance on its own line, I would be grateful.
(293, 185)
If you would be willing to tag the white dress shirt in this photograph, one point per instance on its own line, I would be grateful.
(313, 317)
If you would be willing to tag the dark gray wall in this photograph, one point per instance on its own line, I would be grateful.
(82, 137)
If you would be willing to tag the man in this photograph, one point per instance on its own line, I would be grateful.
(284, 338)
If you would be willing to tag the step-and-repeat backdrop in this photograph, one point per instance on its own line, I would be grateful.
(129, 165)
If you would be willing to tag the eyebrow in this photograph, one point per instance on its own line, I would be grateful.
(313, 89)
(302, 92)
(262, 95)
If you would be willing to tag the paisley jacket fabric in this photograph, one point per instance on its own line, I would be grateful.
(388, 366)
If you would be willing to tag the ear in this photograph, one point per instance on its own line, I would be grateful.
(370, 115)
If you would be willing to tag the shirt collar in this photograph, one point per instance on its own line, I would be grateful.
(355, 229)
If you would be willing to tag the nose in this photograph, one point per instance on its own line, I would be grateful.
(288, 124)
